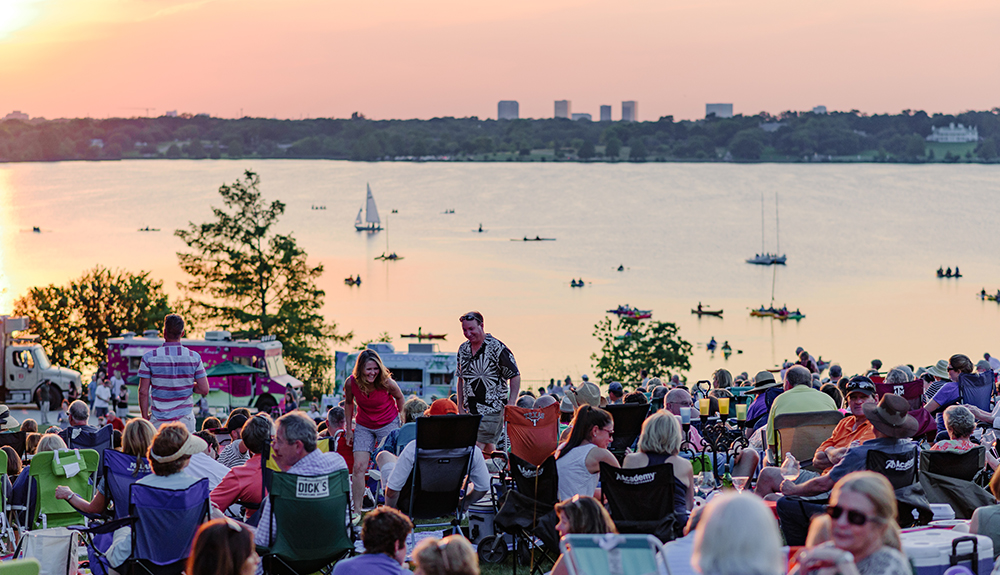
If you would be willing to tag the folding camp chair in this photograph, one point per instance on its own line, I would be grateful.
(628, 418)
(533, 433)
(164, 523)
(612, 554)
(120, 472)
(17, 440)
(29, 566)
(407, 433)
(526, 512)
(951, 477)
(964, 465)
(445, 446)
(802, 433)
(899, 468)
(911, 391)
(69, 467)
(308, 527)
(7, 539)
(642, 500)
(80, 438)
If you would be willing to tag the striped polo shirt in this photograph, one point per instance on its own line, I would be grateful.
(171, 370)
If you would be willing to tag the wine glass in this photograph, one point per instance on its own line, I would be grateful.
(740, 482)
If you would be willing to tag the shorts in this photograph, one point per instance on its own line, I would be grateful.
(367, 439)
(489, 428)
(188, 421)
(100, 411)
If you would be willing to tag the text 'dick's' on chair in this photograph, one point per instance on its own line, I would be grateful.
(628, 418)
(49, 469)
(642, 500)
(612, 554)
(445, 446)
(802, 433)
(533, 432)
(308, 523)
(164, 523)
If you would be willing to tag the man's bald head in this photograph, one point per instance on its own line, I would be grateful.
(676, 399)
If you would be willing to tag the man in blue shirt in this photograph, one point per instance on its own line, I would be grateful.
(384, 534)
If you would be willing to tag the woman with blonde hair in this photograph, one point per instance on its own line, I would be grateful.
(865, 533)
(379, 403)
(660, 442)
(737, 535)
(452, 555)
(136, 439)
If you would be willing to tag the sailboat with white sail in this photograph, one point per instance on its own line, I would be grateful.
(767, 258)
(371, 223)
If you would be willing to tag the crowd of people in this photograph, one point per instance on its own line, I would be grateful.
(842, 512)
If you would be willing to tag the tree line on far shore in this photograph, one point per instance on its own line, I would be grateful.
(790, 136)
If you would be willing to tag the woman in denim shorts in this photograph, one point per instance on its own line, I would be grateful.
(378, 402)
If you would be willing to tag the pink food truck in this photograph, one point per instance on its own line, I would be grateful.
(261, 390)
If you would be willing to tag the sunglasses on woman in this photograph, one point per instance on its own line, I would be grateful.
(853, 517)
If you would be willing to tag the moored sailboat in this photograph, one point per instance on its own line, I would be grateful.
(371, 223)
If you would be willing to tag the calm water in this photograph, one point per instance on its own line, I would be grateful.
(863, 242)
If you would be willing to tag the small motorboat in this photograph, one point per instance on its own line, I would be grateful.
(948, 273)
(421, 335)
(763, 312)
(576, 283)
(628, 311)
(391, 257)
(621, 267)
(353, 281)
(145, 229)
(701, 312)
(36, 229)
(448, 212)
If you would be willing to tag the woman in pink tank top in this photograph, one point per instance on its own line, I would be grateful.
(376, 400)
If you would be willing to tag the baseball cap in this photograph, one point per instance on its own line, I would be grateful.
(442, 407)
(862, 384)
(616, 388)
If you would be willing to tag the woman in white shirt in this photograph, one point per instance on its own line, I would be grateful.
(578, 460)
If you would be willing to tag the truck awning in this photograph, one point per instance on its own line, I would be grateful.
(287, 380)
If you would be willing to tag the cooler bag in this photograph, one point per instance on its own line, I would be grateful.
(933, 551)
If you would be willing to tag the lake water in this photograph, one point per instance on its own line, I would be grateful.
(863, 242)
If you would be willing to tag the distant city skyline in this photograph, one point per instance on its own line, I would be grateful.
(397, 60)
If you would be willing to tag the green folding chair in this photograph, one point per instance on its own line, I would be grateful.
(50, 469)
(612, 554)
(7, 538)
(309, 523)
(28, 566)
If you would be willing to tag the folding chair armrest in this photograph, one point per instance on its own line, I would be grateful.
(107, 527)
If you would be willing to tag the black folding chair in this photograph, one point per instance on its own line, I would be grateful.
(642, 500)
(445, 446)
(17, 440)
(628, 418)
(526, 512)
(80, 438)
(963, 465)
(899, 468)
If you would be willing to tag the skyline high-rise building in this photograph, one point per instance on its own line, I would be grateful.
(508, 110)
(630, 111)
(564, 109)
(605, 113)
(720, 110)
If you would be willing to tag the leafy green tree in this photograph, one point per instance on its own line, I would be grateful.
(631, 345)
(915, 146)
(637, 149)
(234, 149)
(613, 148)
(747, 144)
(74, 321)
(586, 151)
(246, 277)
(173, 152)
(987, 149)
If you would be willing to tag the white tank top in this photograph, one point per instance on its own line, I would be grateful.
(574, 479)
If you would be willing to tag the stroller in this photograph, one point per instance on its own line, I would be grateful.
(526, 512)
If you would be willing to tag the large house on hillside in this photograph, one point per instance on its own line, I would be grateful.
(952, 134)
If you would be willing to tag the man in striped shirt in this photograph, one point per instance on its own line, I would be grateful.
(168, 376)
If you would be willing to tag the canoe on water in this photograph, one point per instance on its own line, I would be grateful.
(716, 313)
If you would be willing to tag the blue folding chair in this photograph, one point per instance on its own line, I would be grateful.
(80, 438)
(120, 472)
(164, 523)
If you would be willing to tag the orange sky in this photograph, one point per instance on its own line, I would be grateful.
(406, 59)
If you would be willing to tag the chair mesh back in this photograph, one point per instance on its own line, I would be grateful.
(539, 482)
(444, 450)
(120, 472)
(644, 494)
(167, 521)
(533, 433)
(17, 440)
(447, 431)
(802, 433)
(79, 438)
(308, 518)
(900, 469)
(958, 464)
(976, 389)
(628, 420)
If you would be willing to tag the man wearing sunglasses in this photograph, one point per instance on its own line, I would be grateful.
(488, 379)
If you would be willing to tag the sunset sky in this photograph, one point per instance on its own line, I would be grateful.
(406, 59)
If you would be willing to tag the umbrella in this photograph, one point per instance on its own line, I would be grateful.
(227, 368)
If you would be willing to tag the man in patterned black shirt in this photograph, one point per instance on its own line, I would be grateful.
(485, 366)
